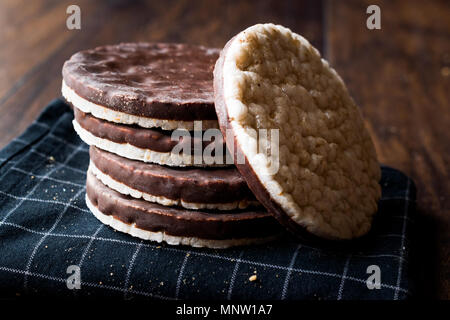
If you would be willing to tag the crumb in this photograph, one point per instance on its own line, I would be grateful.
(51, 158)
(253, 278)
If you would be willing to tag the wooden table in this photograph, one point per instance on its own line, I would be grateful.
(399, 75)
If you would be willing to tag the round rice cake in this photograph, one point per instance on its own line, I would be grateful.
(148, 145)
(177, 226)
(148, 84)
(326, 176)
(191, 188)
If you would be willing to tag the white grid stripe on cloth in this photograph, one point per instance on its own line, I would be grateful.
(31, 192)
(51, 129)
(48, 178)
(85, 147)
(40, 179)
(402, 243)
(53, 136)
(344, 277)
(58, 162)
(20, 141)
(80, 148)
(180, 274)
(361, 255)
(289, 272)
(86, 250)
(126, 286)
(30, 260)
(41, 200)
(47, 175)
(233, 275)
(38, 123)
(88, 246)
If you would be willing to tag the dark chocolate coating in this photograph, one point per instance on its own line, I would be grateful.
(153, 139)
(155, 80)
(180, 222)
(205, 185)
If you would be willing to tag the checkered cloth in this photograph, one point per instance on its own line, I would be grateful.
(45, 227)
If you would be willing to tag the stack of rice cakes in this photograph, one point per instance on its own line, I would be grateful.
(128, 99)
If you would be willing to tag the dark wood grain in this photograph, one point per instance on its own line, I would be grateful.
(399, 75)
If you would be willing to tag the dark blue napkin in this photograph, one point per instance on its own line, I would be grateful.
(46, 229)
